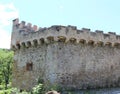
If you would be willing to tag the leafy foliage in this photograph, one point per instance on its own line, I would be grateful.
(39, 89)
(6, 60)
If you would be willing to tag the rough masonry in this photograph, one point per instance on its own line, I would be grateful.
(64, 56)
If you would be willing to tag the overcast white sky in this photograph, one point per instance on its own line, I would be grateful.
(7, 13)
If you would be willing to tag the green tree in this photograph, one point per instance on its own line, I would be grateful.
(6, 60)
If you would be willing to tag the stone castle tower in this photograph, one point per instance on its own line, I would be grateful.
(64, 55)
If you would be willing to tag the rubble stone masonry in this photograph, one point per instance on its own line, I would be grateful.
(64, 55)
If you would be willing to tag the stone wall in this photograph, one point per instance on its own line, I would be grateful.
(71, 58)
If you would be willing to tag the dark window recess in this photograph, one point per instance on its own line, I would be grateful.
(29, 66)
(111, 67)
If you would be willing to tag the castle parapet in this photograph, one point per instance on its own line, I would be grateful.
(26, 35)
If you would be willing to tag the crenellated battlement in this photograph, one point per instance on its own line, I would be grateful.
(64, 56)
(26, 35)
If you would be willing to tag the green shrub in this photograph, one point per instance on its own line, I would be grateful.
(17, 91)
(8, 91)
(39, 89)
